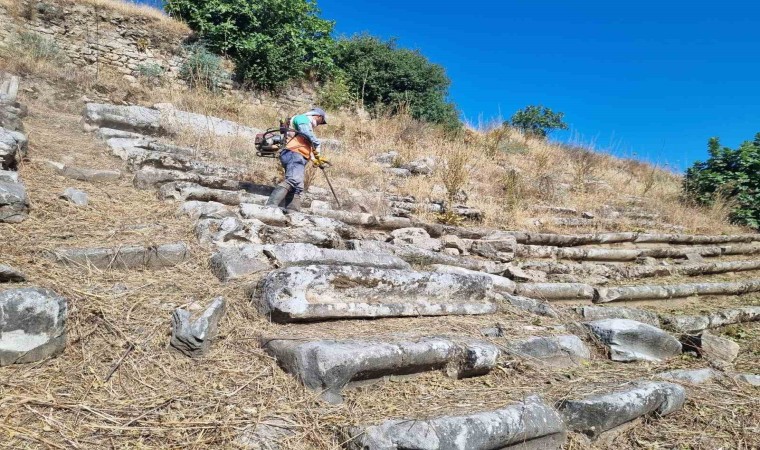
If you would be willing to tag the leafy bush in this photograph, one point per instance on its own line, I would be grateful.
(383, 75)
(151, 71)
(733, 174)
(336, 93)
(38, 47)
(271, 41)
(538, 121)
(202, 68)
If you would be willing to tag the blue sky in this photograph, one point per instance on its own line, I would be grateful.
(646, 79)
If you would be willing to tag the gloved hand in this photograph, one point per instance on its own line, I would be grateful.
(320, 161)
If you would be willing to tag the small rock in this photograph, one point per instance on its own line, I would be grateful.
(523, 275)
(748, 378)
(695, 258)
(455, 242)
(385, 158)
(450, 252)
(398, 172)
(8, 176)
(194, 338)
(588, 215)
(9, 274)
(698, 376)
(75, 196)
(422, 166)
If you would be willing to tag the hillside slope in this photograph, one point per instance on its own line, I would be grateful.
(412, 343)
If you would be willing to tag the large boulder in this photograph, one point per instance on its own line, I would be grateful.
(32, 325)
(529, 425)
(596, 414)
(313, 293)
(629, 340)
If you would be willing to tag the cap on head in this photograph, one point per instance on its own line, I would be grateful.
(318, 112)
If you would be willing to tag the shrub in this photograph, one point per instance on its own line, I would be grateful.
(538, 121)
(202, 68)
(383, 76)
(729, 175)
(336, 93)
(271, 41)
(151, 71)
(38, 47)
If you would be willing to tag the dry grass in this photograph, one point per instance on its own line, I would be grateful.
(158, 18)
(160, 399)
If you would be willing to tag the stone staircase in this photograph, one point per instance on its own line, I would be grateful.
(360, 302)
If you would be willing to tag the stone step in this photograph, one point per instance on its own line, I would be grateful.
(568, 240)
(242, 260)
(501, 284)
(556, 352)
(166, 121)
(666, 292)
(328, 366)
(126, 257)
(528, 425)
(596, 414)
(152, 178)
(185, 191)
(633, 272)
(592, 313)
(629, 340)
(601, 254)
(696, 323)
(556, 291)
(315, 293)
(416, 255)
(292, 255)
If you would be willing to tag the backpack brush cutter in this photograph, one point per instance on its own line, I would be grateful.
(269, 143)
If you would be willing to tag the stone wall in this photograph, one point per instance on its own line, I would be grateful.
(93, 37)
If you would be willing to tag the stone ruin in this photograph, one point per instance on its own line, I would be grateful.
(325, 264)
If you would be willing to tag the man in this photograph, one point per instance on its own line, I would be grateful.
(302, 147)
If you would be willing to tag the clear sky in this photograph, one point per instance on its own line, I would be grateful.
(646, 79)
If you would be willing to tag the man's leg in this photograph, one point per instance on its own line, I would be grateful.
(294, 176)
(283, 189)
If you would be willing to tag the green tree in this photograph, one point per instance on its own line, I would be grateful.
(271, 41)
(733, 174)
(383, 75)
(538, 121)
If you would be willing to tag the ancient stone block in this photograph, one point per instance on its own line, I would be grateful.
(32, 325)
(316, 293)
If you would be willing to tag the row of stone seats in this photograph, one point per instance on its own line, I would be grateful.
(14, 202)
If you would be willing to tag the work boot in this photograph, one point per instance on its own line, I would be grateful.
(278, 195)
(295, 204)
